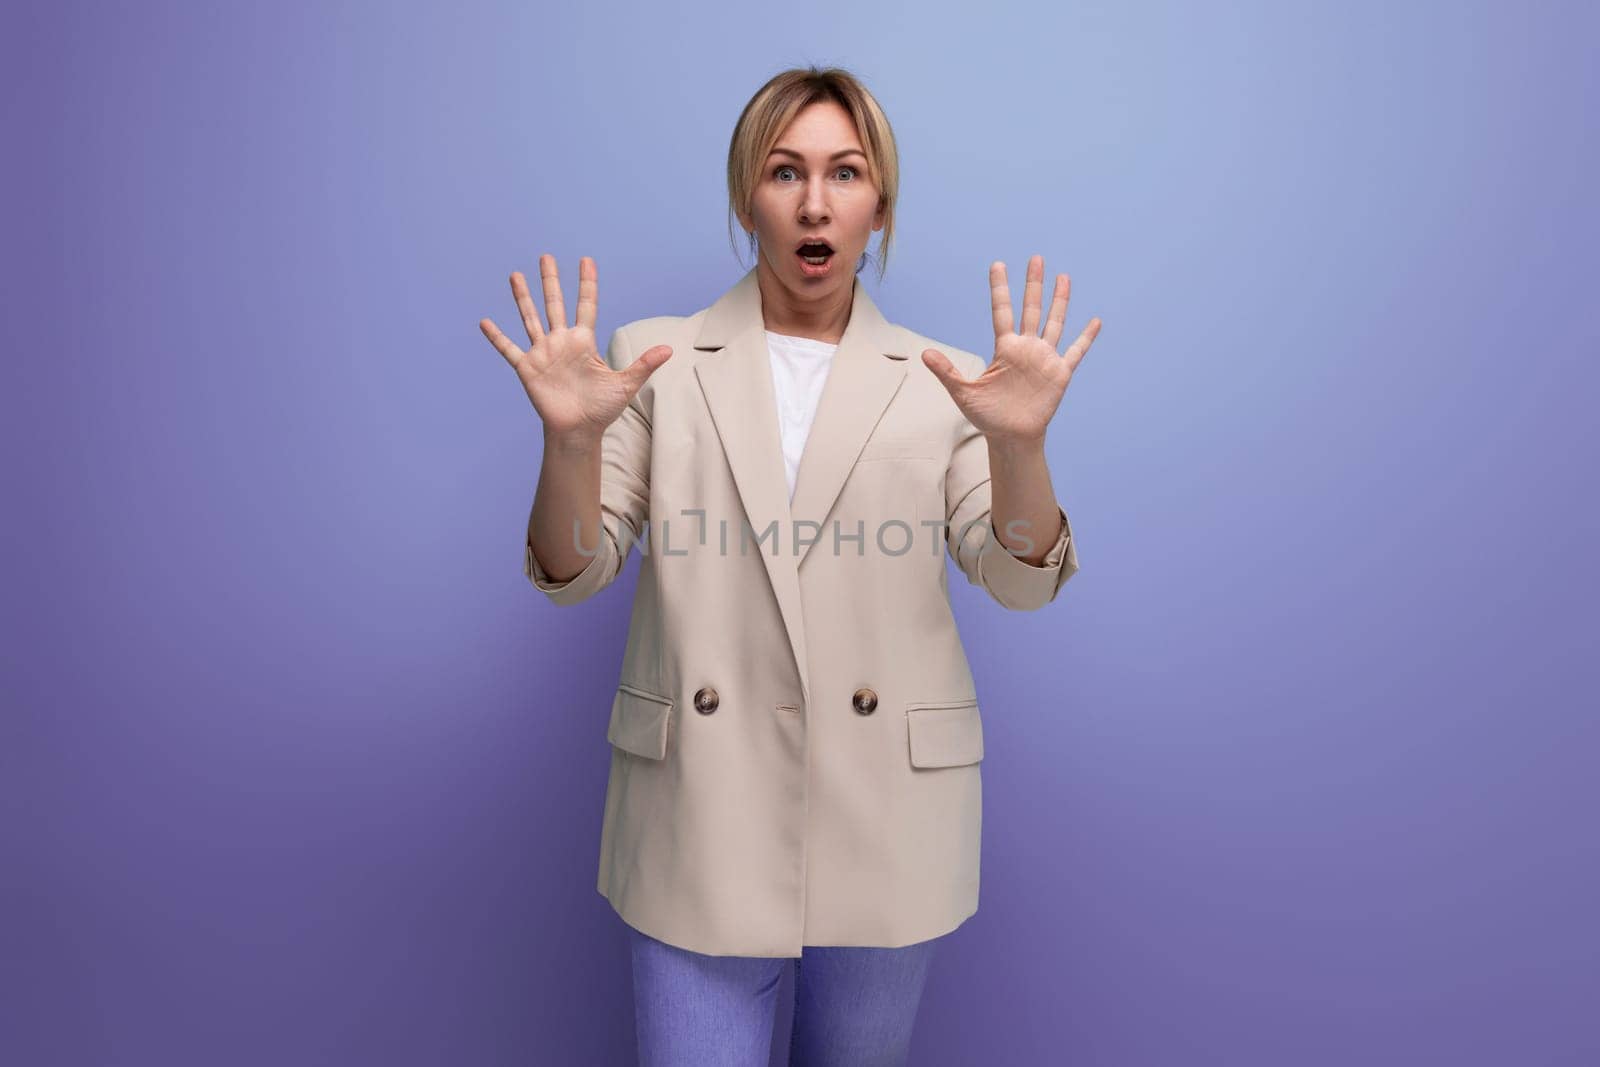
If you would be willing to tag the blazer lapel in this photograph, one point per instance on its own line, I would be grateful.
(864, 376)
(737, 384)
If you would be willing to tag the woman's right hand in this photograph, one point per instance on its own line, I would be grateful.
(576, 394)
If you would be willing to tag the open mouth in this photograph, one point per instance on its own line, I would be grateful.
(815, 253)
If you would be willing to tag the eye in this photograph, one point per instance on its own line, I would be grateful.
(852, 170)
(779, 172)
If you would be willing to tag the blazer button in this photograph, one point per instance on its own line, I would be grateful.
(864, 700)
(705, 701)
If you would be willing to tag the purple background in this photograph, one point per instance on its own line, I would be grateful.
(1300, 768)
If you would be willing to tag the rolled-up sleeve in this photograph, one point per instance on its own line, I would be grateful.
(624, 498)
(1017, 584)
(977, 548)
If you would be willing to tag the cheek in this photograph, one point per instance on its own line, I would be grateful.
(773, 216)
(864, 212)
(763, 207)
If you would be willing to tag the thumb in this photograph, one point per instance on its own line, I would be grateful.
(640, 369)
(943, 369)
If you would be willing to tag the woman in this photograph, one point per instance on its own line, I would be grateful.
(795, 736)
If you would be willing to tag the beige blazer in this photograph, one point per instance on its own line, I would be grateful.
(795, 734)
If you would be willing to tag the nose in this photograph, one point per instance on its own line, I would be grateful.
(814, 206)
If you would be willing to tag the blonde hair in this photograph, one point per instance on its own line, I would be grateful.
(769, 113)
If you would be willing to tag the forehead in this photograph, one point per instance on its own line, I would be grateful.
(820, 128)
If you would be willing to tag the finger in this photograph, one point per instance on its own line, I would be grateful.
(1058, 310)
(554, 308)
(1000, 299)
(501, 342)
(530, 314)
(636, 373)
(1080, 347)
(1032, 296)
(588, 291)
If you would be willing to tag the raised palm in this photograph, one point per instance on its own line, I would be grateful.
(575, 392)
(1018, 392)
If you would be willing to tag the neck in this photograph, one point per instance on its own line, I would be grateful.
(822, 317)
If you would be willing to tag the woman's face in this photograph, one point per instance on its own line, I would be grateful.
(814, 185)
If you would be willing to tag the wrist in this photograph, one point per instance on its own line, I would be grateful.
(1015, 446)
(577, 442)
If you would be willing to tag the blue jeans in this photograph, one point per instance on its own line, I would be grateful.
(853, 1006)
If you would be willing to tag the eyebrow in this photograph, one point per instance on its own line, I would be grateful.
(836, 155)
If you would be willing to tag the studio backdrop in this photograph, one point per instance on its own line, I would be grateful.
(1299, 768)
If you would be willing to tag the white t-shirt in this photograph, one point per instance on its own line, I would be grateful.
(799, 371)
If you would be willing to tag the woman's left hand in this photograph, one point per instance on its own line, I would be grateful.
(1017, 394)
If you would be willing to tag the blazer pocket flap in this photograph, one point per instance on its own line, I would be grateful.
(948, 734)
(639, 722)
(897, 448)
